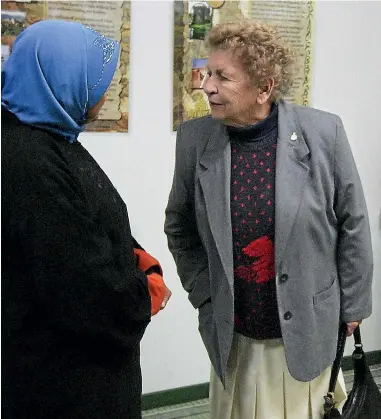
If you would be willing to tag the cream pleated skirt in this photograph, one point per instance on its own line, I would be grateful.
(259, 385)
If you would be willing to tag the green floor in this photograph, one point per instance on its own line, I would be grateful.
(199, 409)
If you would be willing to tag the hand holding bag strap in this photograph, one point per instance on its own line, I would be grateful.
(364, 400)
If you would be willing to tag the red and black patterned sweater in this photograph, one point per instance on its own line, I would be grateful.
(253, 151)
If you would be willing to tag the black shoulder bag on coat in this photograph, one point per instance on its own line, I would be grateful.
(364, 400)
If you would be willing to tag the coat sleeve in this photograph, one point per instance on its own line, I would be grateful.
(181, 227)
(354, 251)
(70, 257)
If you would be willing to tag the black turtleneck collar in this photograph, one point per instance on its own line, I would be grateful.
(257, 131)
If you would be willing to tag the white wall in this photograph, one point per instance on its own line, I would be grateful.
(346, 81)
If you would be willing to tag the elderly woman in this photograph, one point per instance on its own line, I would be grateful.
(75, 304)
(268, 226)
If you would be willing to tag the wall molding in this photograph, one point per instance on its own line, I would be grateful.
(201, 391)
(175, 396)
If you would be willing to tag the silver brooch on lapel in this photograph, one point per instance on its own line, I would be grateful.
(294, 137)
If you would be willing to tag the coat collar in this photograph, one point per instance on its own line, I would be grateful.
(287, 126)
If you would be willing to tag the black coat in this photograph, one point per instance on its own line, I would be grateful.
(74, 306)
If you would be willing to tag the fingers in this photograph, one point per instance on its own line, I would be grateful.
(351, 326)
(167, 296)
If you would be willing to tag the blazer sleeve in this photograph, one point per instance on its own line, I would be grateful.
(70, 257)
(354, 251)
(181, 227)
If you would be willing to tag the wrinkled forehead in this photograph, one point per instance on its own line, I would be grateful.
(225, 61)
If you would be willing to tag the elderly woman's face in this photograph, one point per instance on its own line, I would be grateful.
(232, 96)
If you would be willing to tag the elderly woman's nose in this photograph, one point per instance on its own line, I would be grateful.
(208, 86)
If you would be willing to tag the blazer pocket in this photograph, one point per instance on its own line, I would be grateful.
(200, 293)
(325, 294)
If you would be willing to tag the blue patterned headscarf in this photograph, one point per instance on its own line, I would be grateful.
(57, 71)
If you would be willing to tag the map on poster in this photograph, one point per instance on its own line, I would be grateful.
(294, 21)
(111, 18)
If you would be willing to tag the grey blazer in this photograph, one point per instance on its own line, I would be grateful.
(323, 255)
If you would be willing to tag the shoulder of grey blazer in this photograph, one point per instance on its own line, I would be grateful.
(195, 134)
(323, 121)
(196, 127)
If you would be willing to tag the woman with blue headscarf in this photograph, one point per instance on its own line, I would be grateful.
(75, 306)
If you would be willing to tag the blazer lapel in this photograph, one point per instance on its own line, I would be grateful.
(292, 168)
(215, 183)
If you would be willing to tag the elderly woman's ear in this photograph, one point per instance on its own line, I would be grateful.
(265, 92)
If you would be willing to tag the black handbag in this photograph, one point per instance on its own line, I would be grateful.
(364, 400)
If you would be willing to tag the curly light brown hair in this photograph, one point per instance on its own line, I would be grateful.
(261, 51)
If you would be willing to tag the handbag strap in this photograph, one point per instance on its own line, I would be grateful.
(357, 336)
(358, 353)
(339, 357)
(329, 402)
(329, 399)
